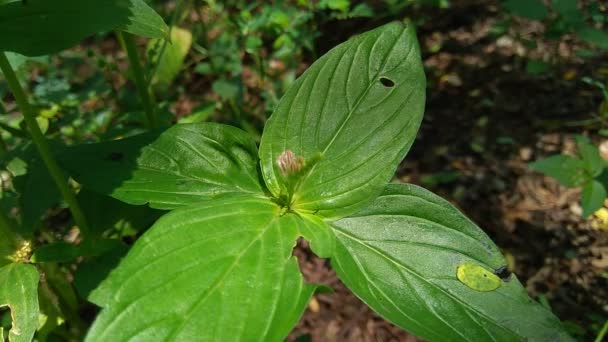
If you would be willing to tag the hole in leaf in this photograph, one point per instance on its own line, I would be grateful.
(387, 82)
(315, 270)
(503, 273)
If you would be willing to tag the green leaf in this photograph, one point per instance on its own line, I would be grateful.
(39, 193)
(225, 89)
(172, 55)
(199, 114)
(319, 234)
(217, 271)
(19, 291)
(349, 121)
(568, 10)
(104, 213)
(565, 169)
(185, 164)
(63, 251)
(36, 189)
(39, 27)
(361, 11)
(338, 5)
(401, 256)
(143, 20)
(532, 9)
(592, 197)
(590, 155)
(92, 272)
(593, 36)
(564, 7)
(537, 67)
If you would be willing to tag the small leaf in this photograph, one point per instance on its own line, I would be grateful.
(221, 270)
(593, 36)
(187, 163)
(40, 27)
(592, 197)
(590, 155)
(403, 256)
(565, 169)
(532, 9)
(172, 55)
(199, 114)
(19, 291)
(477, 277)
(351, 117)
(144, 21)
(564, 7)
(568, 10)
(537, 67)
(225, 89)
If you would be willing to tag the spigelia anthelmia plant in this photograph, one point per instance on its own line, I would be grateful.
(218, 266)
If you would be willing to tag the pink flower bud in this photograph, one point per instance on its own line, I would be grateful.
(289, 163)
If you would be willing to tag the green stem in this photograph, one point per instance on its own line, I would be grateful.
(600, 336)
(140, 80)
(42, 145)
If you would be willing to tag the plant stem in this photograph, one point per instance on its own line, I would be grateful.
(602, 333)
(140, 80)
(42, 145)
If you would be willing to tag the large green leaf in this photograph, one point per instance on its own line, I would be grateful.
(349, 121)
(401, 256)
(221, 270)
(19, 291)
(38, 27)
(183, 165)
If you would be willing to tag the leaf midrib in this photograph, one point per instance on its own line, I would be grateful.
(186, 316)
(358, 101)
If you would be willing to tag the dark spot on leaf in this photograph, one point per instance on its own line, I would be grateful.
(115, 156)
(387, 82)
(503, 273)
